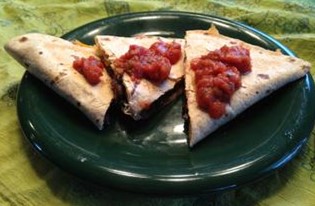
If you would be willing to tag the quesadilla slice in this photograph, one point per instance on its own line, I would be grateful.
(74, 71)
(225, 76)
(148, 71)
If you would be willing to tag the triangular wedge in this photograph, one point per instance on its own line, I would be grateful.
(50, 59)
(270, 71)
(143, 98)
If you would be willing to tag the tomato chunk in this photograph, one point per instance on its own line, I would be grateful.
(91, 68)
(172, 51)
(236, 56)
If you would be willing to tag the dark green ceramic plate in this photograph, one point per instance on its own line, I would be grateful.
(153, 156)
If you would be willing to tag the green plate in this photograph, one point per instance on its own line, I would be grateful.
(153, 156)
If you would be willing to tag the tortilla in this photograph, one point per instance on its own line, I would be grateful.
(139, 98)
(270, 71)
(50, 59)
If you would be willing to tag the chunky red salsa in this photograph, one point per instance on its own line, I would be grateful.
(153, 64)
(172, 51)
(91, 68)
(218, 76)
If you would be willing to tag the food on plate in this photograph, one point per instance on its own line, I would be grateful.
(220, 76)
(72, 70)
(148, 71)
(225, 76)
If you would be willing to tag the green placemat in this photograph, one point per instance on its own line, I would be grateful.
(26, 178)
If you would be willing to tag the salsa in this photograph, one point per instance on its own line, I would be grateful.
(172, 51)
(91, 68)
(153, 63)
(218, 76)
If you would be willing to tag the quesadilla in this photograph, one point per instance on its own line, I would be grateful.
(140, 97)
(51, 59)
(267, 71)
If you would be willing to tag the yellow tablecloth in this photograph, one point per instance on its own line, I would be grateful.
(26, 178)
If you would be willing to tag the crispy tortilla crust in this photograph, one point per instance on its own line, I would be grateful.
(140, 100)
(50, 59)
(270, 71)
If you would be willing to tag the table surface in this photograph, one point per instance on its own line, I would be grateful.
(27, 178)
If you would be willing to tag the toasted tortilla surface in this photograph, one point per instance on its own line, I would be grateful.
(270, 71)
(50, 59)
(141, 95)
